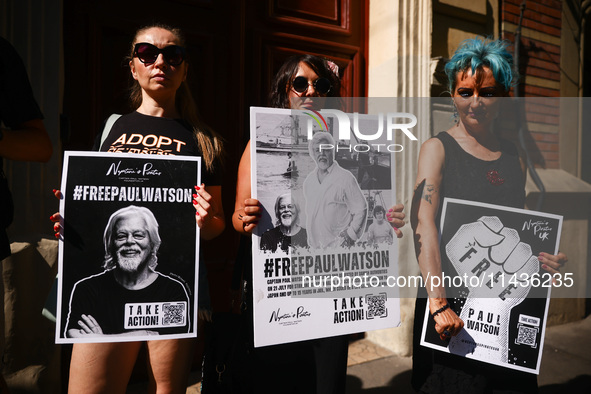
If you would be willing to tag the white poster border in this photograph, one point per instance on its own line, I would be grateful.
(59, 339)
(559, 218)
(298, 330)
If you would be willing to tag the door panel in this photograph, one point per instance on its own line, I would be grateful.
(320, 15)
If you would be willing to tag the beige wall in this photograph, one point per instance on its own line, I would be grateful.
(456, 20)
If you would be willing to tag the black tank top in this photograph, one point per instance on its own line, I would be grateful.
(466, 177)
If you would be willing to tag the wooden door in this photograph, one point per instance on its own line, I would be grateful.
(335, 29)
(235, 48)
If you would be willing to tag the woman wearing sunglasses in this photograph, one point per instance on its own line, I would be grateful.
(163, 107)
(302, 82)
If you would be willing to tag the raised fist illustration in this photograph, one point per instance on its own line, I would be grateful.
(495, 264)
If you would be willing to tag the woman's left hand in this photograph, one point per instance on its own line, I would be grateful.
(56, 218)
(204, 206)
(552, 263)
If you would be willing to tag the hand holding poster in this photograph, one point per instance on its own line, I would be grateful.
(128, 260)
(500, 293)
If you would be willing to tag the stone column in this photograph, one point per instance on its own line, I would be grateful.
(399, 67)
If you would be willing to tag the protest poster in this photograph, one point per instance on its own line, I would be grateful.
(322, 250)
(494, 282)
(128, 256)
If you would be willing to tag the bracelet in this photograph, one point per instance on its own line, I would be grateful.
(438, 311)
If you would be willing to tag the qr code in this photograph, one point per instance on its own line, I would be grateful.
(376, 305)
(174, 314)
(527, 336)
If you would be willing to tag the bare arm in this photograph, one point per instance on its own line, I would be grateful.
(425, 206)
(28, 142)
(247, 210)
(357, 207)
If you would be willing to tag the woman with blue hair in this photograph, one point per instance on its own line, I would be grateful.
(470, 162)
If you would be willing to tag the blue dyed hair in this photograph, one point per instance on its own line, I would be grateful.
(476, 53)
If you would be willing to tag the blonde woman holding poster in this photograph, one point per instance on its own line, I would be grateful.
(163, 108)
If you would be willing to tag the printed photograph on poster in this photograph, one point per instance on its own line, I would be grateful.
(323, 225)
(128, 261)
(494, 282)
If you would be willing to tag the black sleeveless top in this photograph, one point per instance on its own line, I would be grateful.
(499, 181)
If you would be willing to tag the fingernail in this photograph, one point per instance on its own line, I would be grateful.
(196, 187)
(544, 266)
(390, 210)
(395, 228)
(194, 201)
(196, 213)
(194, 195)
(54, 190)
(57, 235)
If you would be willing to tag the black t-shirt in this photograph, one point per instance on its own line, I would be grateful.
(101, 297)
(153, 135)
(144, 134)
(274, 238)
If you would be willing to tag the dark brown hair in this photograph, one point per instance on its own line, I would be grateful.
(279, 95)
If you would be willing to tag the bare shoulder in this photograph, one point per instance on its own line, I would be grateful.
(432, 152)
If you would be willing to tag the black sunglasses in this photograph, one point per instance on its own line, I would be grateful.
(174, 55)
(321, 85)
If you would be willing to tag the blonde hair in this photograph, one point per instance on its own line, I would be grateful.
(210, 143)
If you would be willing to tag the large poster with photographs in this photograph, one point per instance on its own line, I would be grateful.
(128, 261)
(494, 282)
(323, 249)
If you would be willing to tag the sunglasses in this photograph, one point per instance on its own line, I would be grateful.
(173, 55)
(321, 85)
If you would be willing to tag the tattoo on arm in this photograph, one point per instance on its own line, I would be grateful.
(428, 193)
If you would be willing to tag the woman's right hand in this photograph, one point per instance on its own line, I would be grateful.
(447, 323)
(250, 215)
(56, 218)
